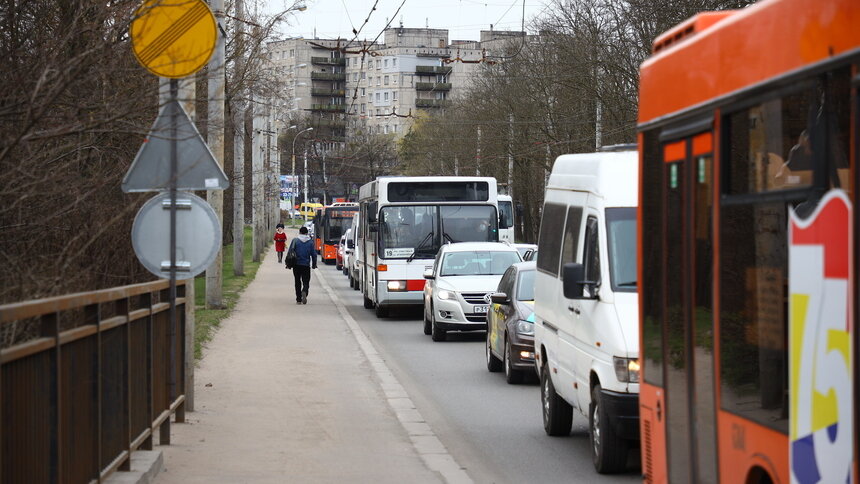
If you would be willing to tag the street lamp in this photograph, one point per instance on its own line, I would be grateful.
(293, 172)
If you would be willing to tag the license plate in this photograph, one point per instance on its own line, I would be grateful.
(481, 309)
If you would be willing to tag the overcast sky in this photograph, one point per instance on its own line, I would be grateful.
(464, 19)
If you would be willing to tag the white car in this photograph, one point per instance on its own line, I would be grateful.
(458, 288)
(524, 249)
(346, 259)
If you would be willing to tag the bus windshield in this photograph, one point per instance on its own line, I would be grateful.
(409, 230)
(469, 223)
(621, 230)
(337, 222)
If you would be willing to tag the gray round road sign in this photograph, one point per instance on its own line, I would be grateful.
(198, 235)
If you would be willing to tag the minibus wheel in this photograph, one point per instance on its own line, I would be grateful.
(608, 451)
(557, 414)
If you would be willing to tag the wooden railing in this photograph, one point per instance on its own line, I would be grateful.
(104, 371)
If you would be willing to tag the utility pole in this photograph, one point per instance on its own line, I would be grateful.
(325, 179)
(478, 155)
(215, 135)
(511, 155)
(239, 148)
(257, 184)
(306, 174)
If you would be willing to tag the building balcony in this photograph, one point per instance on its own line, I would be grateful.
(432, 70)
(330, 123)
(433, 86)
(431, 103)
(328, 76)
(328, 92)
(328, 61)
(329, 108)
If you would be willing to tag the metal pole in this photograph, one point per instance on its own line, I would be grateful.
(478, 155)
(215, 134)
(174, 172)
(306, 174)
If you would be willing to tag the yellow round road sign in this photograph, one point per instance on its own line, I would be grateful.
(173, 38)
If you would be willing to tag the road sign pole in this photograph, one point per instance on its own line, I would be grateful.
(174, 172)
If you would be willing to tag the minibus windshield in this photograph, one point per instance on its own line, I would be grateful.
(621, 242)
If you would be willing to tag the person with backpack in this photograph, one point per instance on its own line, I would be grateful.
(301, 258)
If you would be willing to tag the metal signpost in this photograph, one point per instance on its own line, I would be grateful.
(173, 39)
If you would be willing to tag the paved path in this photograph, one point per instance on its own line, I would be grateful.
(285, 393)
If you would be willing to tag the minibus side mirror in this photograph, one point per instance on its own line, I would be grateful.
(499, 298)
(428, 274)
(573, 280)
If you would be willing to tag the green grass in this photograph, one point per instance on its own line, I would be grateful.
(207, 321)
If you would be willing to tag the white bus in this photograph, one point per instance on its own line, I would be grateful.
(404, 221)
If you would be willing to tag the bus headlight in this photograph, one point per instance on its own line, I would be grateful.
(626, 369)
(526, 328)
(396, 286)
(444, 295)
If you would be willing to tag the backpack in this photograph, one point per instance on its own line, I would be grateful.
(291, 259)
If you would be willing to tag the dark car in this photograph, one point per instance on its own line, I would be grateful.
(510, 324)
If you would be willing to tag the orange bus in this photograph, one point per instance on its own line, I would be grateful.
(330, 223)
(748, 136)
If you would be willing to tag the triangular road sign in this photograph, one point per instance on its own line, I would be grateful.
(196, 166)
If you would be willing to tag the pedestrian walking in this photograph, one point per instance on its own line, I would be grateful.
(305, 260)
(280, 241)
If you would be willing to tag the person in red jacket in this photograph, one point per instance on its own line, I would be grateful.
(280, 241)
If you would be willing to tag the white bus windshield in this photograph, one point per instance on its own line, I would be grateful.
(417, 231)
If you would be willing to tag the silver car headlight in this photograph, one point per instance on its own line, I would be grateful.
(526, 328)
(444, 294)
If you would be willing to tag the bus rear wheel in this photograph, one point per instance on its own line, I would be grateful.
(608, 450)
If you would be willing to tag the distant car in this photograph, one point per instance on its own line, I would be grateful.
(531, 255)
(510, 324)
(524, 249)
(457, 292)
(293, 213)
(348, 249)
(338, 258)
(310, 226)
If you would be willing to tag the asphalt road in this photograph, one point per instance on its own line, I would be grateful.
(493, 429)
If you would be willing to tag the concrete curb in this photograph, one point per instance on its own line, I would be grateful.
(424, 440)
(145, 466)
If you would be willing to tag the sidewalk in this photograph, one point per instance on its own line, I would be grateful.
(284, 393)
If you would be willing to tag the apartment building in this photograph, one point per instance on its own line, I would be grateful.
(377, 88)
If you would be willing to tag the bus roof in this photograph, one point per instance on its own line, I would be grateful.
(375, 187)
(715, 54)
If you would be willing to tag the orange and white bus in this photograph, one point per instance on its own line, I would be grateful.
(330, 222)
(748, 137)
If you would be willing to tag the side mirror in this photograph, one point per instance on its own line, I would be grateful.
(350, 244)
(428, 274)
(573, 280)
(499, 298)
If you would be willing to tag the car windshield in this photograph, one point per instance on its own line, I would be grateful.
(469, 223)
(408, 230)
(526, 286)
(478, 263)
(621, 230)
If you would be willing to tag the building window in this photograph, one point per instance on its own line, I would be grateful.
(354, 77)
(292, 52)
(377, 63)
(377, 111)
(369, 80)
(385, 81)
(363, 75)
(386, 129)
(385, 63)
(377, 97)
(394, 95)
(363, 108)
(378, 81)
(395, 128)
(363, 91)
(394, 62)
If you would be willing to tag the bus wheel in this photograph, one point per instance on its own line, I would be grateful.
(368, 303)
(557, 414)
(381, 311)
(608, 451)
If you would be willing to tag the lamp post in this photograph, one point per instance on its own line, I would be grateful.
(293, 171)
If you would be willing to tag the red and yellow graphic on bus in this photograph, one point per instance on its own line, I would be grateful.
(820, 332)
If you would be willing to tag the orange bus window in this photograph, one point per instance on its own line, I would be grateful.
(703, 144)
(674, 151)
